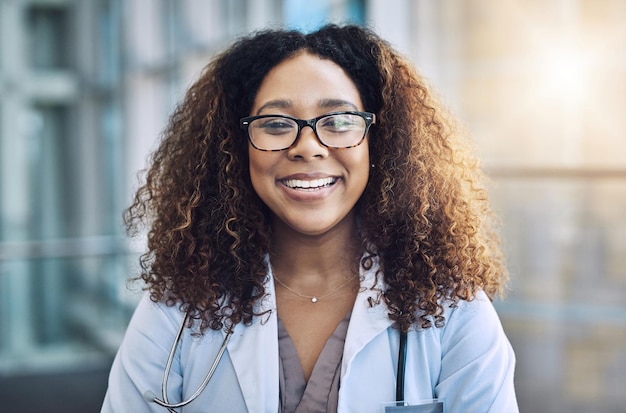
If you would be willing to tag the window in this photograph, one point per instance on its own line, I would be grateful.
(308, 15)
(49, 43)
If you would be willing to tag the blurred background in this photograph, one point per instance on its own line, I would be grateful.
(87, 86)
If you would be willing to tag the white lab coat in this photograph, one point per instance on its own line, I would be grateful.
(468, 363)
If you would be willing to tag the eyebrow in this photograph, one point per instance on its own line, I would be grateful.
(336, 103)
(324, 104)
(275, 104)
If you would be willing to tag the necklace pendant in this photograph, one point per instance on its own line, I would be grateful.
(313, 299)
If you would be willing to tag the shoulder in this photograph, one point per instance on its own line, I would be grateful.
(478, 308)
(140, 361)
(151, 330)
(477, 356)
(473, 323)
(149, 313)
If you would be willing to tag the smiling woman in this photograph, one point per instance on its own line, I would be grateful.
(306, 84)
(319, 241)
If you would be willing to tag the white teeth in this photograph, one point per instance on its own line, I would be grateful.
(312, 184)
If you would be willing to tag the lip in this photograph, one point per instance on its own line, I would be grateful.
(308, 187)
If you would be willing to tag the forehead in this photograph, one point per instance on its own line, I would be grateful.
(306, 81)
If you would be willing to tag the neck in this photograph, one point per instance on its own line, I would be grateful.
(304, 259)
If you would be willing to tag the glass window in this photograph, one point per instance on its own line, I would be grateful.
(49, 43)
(63, 258)
(307, 15)
(543, 95)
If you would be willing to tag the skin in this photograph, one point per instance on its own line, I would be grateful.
(315, 242)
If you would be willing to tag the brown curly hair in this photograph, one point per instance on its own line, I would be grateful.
(424, 213)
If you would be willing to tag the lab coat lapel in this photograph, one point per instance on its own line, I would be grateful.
(367, 333)
(254, 354)
(366, 322)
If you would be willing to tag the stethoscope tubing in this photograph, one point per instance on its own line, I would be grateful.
(164, 402)
(401, 367)
(170, 359)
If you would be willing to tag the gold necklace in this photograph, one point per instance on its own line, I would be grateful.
(314, 298)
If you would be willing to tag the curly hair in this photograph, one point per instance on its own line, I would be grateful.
(424, 213)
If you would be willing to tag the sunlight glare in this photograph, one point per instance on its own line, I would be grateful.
(565, 73)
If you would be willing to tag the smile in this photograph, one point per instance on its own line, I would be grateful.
(309, 184)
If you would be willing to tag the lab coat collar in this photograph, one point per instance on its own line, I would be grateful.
(369, 355)
(254, 353)
(367, 320)
(258, 374)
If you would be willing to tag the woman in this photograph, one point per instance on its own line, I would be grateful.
(310, 201)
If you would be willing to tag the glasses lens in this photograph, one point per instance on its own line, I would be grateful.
(341, 130)
(273, 133)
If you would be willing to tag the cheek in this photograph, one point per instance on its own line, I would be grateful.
(261, 169)
(361, 162)
(358, 165)
(365, 162)
(256, 170)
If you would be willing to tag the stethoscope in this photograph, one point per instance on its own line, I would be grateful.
(150, 397)
(401, 367)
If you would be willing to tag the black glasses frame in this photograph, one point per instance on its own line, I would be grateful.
(370, 119)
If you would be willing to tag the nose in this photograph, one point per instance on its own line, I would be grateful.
(307, 146)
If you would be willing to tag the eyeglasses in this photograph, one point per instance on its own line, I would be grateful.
(337, 130)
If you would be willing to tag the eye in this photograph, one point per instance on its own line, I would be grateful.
(274, 125)
(341, 123)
